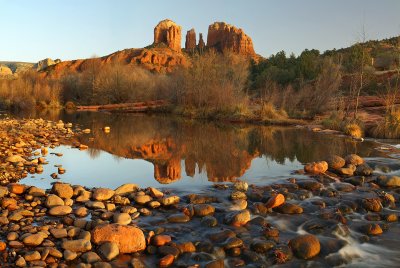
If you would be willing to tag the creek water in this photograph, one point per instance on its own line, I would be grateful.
(189, 156)
(163, 151)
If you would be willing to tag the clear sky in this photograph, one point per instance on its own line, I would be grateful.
(70, 29)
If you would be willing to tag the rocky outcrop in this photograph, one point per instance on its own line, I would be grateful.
(5, 71)
(190, 44)
(222, 36)
(202, 44)
(43, 64)
(169, 33)
(158, 60)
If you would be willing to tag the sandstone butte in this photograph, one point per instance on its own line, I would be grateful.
(165, 54)
(222, 36)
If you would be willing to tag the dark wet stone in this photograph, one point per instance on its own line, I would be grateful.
(345, 209)
(289, 208)
(363, 170)
(205, 246)
(271, 232)
(250, 256)
(260, 221)
(344, 187)
(372, 204)
(232, 242)
(357, 180)
(260, 209)
(317, 226)
(234, 252)
(309, 185)
(373, 217)
(303, 194)
(221, 236)
(166, 250)
(262, 246)
(151, 249)
(329, 192)
(305, 246)
(236, 262)
(209, 221)
(202, 257)
(178, 218)
(331, 245)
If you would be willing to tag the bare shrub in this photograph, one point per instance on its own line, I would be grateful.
(29, 90)
(213, 82)
(113, 83)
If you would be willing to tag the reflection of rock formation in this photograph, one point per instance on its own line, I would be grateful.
(168, 172)
(223, 153)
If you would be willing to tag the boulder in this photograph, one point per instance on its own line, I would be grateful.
(335, 162)
(80, 245)
(275, 201)
(62, 190)
(102, 194)
(53, 200)
(60, 210)
(126, 189)
(305, 246)
(316, 167)
(354, 159)
(128, 238)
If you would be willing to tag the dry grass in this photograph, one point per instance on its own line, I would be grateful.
(352, 129)
(389, 128)
(268, 111)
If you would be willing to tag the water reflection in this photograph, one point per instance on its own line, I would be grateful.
(178, 148)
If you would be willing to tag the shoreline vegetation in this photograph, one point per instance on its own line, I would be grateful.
(74, 226)
(325, 89)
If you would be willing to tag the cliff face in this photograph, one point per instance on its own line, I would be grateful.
(190, 43)
(169, 33)
(222, 36)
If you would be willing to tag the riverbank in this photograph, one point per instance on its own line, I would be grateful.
(343, 207)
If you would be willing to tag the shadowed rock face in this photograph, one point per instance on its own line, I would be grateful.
(169, 33)
(190, 43)
(222, 36)
(202, 44)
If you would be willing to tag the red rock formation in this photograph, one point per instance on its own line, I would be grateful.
(169, 33)
(222, 36)
(202, 45)
(160, 60)
(190, 43)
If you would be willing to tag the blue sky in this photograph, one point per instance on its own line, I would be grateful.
(33, 30)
